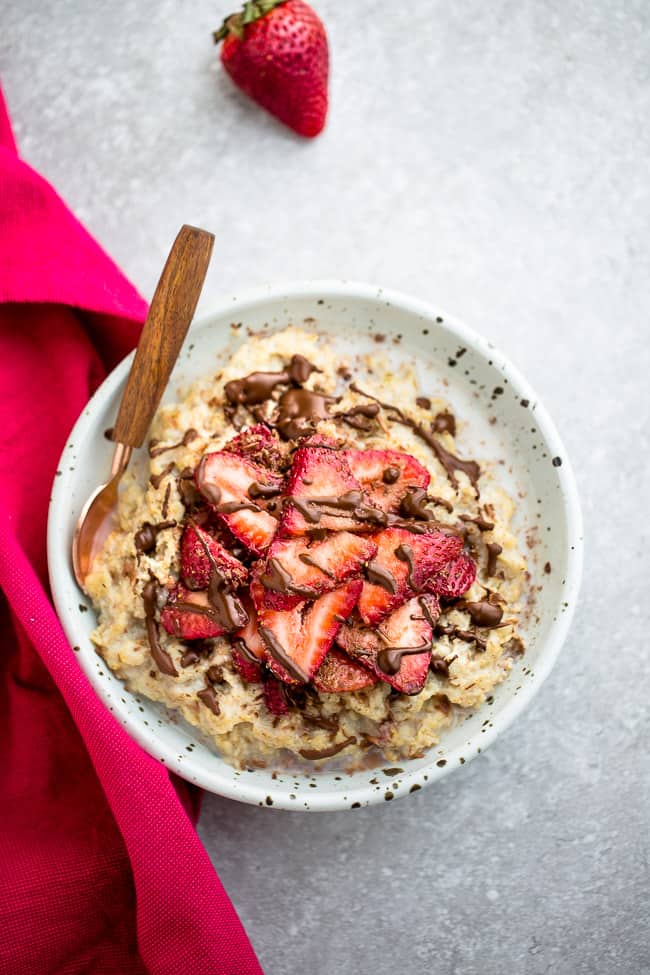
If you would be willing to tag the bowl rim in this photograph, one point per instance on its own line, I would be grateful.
(246, 790)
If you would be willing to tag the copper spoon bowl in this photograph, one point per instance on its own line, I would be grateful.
(170, 313)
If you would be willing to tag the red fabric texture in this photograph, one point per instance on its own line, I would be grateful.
(101, 869)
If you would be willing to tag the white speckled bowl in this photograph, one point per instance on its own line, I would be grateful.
(480, 383)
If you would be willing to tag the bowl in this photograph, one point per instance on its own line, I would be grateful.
(505, 420)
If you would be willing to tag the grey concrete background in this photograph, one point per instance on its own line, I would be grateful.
(492, 158)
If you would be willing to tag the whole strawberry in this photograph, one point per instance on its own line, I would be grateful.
(276, 52)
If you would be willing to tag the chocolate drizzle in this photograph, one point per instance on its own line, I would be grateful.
(361, 417)
(247, 654)
(257, 387)
(449, 461)
(309, 560)
(258, 490)
(156, 479)
(229, 507)
(312, 509)
(457, 633)
(483, 613)
(299, 410)
(145, 538)
(389, 660)
(481, 523)
(413, 504)
(278, 653)
(447, 505)
(277, 579)
(226, 605)
(493, 551)
(187, 489)
(439, 666)
(152, 595)
(425, 606)
(404, 553)
(444, 422)
(155, 450)
(313, 754)
(379, 576)
(391, 474)
(190, 657)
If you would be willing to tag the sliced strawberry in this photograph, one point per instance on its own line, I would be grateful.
(388, 651)
(249, 634)
(386, 476)
(323, 621)
(189, 615)
(282, 636)
(338, 674)
(225, 480)
(321, 492)
(249, 671)
(256, 590)
(260, 444)
(298, 639)
(247, 644)
(295, 570)
(454, 579)
(274, 697)
(200, 553)
(404, 561)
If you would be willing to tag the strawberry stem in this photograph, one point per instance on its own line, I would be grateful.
(252, 10)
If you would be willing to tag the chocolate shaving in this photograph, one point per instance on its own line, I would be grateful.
(313, 754)
(209, 698)
(165, 505)
(320, 721)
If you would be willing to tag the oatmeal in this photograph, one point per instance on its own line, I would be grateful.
(313, 568)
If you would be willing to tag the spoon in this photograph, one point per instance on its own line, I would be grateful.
(170, 313)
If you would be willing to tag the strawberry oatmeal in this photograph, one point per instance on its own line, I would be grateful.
(312, 568)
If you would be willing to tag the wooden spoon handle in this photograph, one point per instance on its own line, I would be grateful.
(170, 314)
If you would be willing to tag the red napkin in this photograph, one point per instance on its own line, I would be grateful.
(101, 870)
